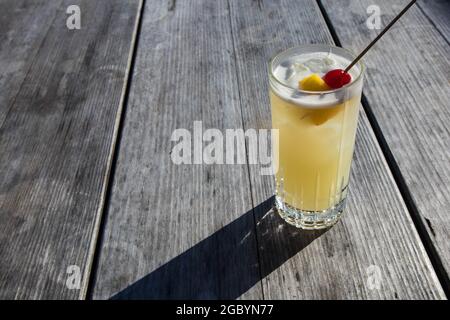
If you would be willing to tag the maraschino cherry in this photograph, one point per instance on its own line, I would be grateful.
(337, 78)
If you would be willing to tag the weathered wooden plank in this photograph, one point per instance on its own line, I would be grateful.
(376, 232)
(24, 25)
(438, 13)
(59, 114)
(408, 91)
(179, 231)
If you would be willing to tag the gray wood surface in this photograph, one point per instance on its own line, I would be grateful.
(376, 230)
(24, 25)
(61, 92)
(177, 231)
(438, 13)
(408, 90)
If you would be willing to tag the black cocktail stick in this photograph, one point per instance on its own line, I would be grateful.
(380, 35)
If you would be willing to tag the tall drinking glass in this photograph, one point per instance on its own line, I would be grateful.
(316, 134)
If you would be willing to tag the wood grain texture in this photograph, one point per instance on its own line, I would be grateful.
(408, 91)
(179, 231)
(376, 233)
(437, 12)
(24, 25)
(61, 97)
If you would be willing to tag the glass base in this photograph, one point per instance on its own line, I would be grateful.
(309, 220)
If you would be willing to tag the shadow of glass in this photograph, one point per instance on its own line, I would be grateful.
(278, 241)
(225, 265)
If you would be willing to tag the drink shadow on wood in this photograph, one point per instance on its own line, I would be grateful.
(225, 265)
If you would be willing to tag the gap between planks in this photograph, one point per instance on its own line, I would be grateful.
(97, 238)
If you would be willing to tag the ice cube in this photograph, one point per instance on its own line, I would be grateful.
(317, 65)
(300, 67)
(329, 62)
(289, 73)
(294, 71)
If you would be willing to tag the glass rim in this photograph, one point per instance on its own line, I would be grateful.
(296, 89)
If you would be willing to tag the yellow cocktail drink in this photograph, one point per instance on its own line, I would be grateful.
(315, 151)
(316, 136)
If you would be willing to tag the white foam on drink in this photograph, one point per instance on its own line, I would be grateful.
(292, 70)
